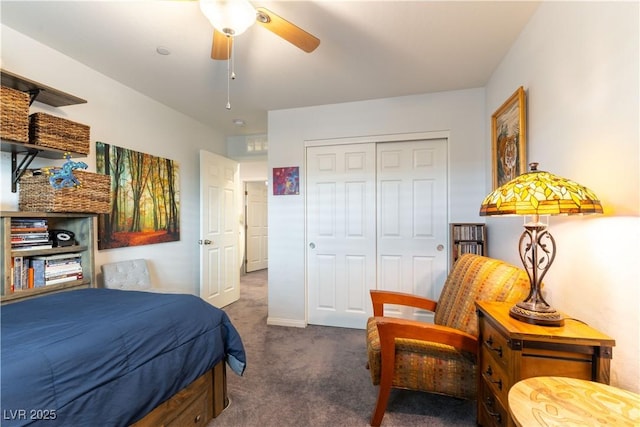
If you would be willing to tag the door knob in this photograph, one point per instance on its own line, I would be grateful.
(205, 242)
(312, 245)
(440, 248)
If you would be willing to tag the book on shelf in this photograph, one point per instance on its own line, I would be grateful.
(38, 273)
(51, 275)
(18, 267)
(28, 223)
(28, 229)
(29, 237)
(63, 279)
(30, 234)
(58, 258)
(32, 246)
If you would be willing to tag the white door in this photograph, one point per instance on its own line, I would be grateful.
(376, 219)
(257, 225)
(341, 255)
(412, 220)
(219, 219)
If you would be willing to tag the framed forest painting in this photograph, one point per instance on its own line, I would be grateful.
(145, 198)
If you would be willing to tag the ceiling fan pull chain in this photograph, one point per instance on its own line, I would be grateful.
(233, 64)
(228, 107)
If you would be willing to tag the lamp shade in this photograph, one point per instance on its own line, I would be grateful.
(540, 193)
(230, 17)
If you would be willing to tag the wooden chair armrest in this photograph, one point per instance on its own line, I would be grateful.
(390, 328)
(379, 298)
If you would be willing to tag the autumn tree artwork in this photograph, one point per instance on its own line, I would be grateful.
(145, 198)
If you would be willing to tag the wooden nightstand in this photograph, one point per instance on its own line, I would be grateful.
(512, 350)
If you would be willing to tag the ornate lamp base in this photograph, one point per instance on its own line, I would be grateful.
(547, 317)
(537, 251)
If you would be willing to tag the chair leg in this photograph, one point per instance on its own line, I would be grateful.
(387, 365)
(381, 404)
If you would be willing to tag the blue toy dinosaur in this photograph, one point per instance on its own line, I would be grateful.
(63, 177)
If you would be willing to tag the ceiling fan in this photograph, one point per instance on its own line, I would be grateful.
(231, 18)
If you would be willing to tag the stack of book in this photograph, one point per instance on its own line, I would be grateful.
(29, 233)
(54, 269)
(40, 271)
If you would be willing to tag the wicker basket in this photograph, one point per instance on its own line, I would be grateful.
(56, 132)
(92, 196)
(14, 115)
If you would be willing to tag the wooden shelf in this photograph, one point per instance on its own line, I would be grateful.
(51, 251)
(41, 93)
(16, 147)
(18, 295)
(29, 152)
(29, 214)
(38, 91)
(81, 224)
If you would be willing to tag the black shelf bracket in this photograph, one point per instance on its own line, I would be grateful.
(18, 169)
(33, 94)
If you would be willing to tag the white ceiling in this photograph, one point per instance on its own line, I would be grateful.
(368, 50)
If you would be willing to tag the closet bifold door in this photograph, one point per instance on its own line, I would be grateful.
(341, 233)
(376, 218)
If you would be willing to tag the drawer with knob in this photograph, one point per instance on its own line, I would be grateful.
(495, 344)
(495, 377)
(492, 413)
(194, 415)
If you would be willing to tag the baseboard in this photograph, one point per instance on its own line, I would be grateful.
(274, 321)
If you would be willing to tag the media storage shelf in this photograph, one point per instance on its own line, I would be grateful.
(18, 286)
(468, 238)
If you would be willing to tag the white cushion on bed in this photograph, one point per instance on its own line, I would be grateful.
(128, 275)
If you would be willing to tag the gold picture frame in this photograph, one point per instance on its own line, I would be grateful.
(509, 139)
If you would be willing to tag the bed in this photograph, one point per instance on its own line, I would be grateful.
(114, 358)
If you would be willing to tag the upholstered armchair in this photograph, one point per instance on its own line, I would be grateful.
(439, 357)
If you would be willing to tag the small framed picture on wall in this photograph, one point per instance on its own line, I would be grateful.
(286, 181)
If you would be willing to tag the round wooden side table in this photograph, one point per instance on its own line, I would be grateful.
(560, 401)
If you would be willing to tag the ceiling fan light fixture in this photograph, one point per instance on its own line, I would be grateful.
(230, 17)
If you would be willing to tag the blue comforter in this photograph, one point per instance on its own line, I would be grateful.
(106, 357)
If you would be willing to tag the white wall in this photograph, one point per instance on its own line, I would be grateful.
(579, 63)
(120, 116)
(461, 113)
(253, 171)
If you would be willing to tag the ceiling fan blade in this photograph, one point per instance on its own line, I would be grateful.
(221, 46)
(285, 29)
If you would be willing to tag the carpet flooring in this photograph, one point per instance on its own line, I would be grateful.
(315, 376)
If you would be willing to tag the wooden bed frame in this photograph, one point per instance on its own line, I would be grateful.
(195, 405)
